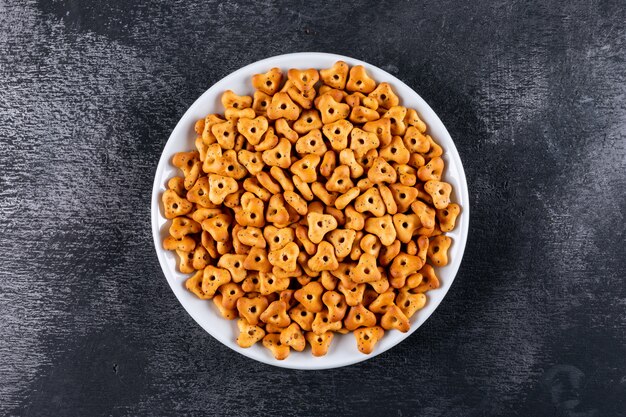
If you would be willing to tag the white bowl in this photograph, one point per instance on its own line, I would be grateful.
(343, 350)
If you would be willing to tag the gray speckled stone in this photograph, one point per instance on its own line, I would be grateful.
(534, 94)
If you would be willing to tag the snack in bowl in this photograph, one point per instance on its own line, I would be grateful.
(315, 206)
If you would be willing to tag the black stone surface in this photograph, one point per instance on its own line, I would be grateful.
(534, 94)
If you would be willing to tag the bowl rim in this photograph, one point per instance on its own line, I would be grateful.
(182, 128)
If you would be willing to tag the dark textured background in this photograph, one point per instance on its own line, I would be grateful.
(534, 96)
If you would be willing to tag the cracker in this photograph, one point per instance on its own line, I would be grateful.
(307, 210)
